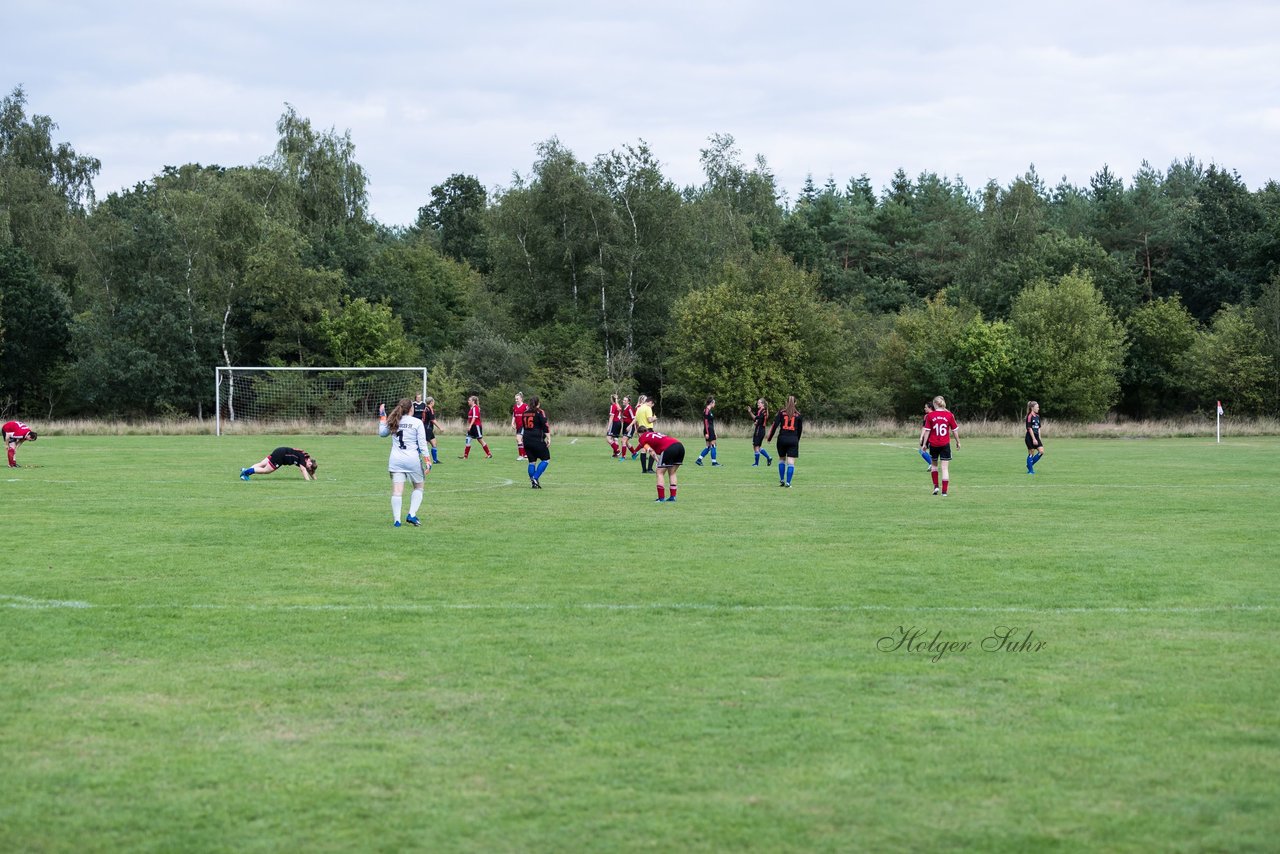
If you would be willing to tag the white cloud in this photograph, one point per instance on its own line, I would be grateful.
(979, 90)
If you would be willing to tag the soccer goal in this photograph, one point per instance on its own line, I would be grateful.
(307, 399)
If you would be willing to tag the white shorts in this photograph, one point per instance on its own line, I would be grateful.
(403, 466)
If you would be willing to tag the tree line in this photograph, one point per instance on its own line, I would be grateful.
(1147, 297)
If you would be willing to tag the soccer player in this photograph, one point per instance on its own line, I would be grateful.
(708, 432)
(789, 425)
(628, 429)
(928, 460)
(519, 409)
(430, 426)
(939, 429)
(644, 424)
(15, 433)
(613, 428)
(537, 440)
(667, 454)
(475, 428)
(409, 459)
(760, 415)
(284, 457)
(1035, 448)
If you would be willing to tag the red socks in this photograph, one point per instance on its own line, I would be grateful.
(935, 479)
(662, 493)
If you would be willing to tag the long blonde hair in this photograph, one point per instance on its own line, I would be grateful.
(790, 408)
(393, 420)
(939, 402)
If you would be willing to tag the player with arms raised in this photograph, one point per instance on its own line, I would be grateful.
(410, 458)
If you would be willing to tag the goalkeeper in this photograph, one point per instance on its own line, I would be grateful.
(410, 459)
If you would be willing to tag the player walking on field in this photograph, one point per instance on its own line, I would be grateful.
(760, 417)
(519, 409)
(1035, 448)
(475, 428)
(789, 425)
(628, 429)
(708, 432)
(928, 460)
(667, 455)
(15, 433)
(409, 460)
(429, 427)
(613, 429)
(939, 430)
(283, 457)
(537, 440)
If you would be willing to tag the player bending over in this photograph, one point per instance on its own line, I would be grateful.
(15, 433)
(284, 457)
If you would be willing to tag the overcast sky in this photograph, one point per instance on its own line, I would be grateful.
(976, 91)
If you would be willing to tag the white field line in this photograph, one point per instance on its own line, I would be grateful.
(28, 603)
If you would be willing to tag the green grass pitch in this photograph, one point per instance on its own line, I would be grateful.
(194, 663)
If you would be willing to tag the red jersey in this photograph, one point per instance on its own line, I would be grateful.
(628, 415)
(15, 430)
(615, 412)
(655, 440)
(516, 411)
(940, 423)
(473, 416)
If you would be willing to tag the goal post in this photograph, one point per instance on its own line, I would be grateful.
(304, 399)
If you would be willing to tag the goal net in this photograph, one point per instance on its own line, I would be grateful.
(307, 399)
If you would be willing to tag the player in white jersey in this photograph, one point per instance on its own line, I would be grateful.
(410, 458)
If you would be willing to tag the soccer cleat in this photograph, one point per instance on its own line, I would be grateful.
(414, 521)
(715, 465)
(396, 524)
(936, 491)
(635, 454)
(672, 498)
(787, 485)
(782, 483)
(755, 465)
(244, 473)
(698, 461)
(660, 500)
(945, 494)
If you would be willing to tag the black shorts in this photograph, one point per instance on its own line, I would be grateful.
(1033, 442)
(535, 447)
(757, 438)
(940, 452)
(286, 457)
(788, 447)
(710, 435)
(671, 457)
(429, 433)
(615, 429)
(475, 431)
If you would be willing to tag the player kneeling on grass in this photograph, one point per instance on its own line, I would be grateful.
(284, 457)
(668, 455)
(410, 458)
(15, 433)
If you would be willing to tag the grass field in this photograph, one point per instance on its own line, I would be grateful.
(195, 663)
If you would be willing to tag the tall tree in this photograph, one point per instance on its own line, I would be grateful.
(456, 214)
(1070, 347)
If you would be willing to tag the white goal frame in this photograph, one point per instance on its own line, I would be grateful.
(228, 372)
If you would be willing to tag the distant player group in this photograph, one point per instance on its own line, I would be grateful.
(630, 432)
